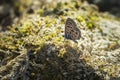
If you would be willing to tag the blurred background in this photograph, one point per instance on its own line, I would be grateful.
(10, 10)
(112, 6)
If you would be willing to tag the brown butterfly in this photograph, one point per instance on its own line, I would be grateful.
(71, 30)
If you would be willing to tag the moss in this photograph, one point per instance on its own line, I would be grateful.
(36, 46)
(26, 28)
(90, 25)
(62, 53)
(40, 11)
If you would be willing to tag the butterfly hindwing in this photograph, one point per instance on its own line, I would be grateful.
(71, 30)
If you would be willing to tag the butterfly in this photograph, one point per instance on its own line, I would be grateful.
(71, 30)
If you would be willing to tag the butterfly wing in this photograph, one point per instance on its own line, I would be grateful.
(69, 27)
(77, 33)
(71, 30)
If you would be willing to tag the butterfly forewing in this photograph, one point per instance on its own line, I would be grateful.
(71, 30)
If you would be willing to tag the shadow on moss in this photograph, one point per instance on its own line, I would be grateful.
(45, 64)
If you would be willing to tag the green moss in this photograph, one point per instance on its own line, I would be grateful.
(90, 25)
(81, 19)
(40, 11)
(37, 43)
(26, 28)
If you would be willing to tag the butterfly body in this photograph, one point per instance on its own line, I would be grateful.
(71, 30)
